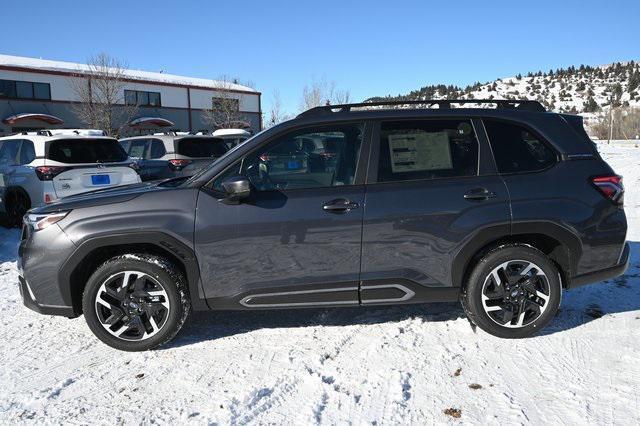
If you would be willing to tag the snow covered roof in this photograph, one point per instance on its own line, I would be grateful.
(47, 118)
(151, 121)
(230, 133)
(146, 76)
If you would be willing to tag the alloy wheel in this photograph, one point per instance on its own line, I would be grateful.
(132, 305)
(515, 293)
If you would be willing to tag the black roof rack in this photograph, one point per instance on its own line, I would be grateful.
(441, 103)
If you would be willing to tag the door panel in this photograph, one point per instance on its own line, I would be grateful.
(431, 188)
(280, 242)
(413, 230)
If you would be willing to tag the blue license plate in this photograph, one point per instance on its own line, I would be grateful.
(100, 179)
(292, 165)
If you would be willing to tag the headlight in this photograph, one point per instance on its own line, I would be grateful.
(44, 220)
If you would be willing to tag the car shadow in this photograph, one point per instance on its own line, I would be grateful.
(579, 306)
(218, 324)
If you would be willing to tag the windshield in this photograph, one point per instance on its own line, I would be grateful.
(202, 147)
(78, 151)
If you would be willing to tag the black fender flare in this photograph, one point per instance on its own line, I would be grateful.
(485, 236)
(160, 239)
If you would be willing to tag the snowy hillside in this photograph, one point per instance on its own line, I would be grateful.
(582, 89)
(389, 365)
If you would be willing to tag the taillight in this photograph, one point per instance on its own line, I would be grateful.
(178, 165)
(49, 172)
(610, 186)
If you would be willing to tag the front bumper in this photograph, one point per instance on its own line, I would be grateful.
(29, 301)
(40, 257)
(604, 274)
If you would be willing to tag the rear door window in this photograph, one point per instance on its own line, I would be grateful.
(202, 147)
(156, 149)
(427, 149)
(138, 147)
(27, 152)
(517, 149)
(78, 151)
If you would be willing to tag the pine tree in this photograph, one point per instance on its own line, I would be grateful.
(634, 81)
(590, 105)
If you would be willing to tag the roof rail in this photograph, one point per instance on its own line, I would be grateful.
(428, 103)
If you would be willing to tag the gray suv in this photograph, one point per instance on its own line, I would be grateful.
(501, 208)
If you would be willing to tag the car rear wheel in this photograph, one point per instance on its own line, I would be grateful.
(513, 292)
(136, 302)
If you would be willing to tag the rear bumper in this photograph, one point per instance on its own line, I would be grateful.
(604, 274)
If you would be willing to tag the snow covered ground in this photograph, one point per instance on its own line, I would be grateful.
(384, 365)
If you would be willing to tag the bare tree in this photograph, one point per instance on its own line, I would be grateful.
(619, 123)
(100, 90)
(225, 106)
(276, 113)
(321, 92)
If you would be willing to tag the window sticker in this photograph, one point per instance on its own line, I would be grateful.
(414, 152)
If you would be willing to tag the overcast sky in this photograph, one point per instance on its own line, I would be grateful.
(369, 48)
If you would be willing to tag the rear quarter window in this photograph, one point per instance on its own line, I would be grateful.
(517, 149)
(202, 147)
(78, 151)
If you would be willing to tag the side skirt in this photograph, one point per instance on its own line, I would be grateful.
(374, 292)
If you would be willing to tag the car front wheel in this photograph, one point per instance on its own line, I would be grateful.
(136, 302)
(513, 292)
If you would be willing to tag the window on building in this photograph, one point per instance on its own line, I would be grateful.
(41, 91)
(154, 99)
(427, 149)
(24, 90)
(516, 149)
(226, 104)
(142, 98)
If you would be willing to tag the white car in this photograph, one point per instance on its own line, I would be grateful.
(37, 168)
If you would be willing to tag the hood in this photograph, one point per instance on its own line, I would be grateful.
(118, 194)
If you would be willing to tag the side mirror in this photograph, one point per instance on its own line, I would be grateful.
(237, 189)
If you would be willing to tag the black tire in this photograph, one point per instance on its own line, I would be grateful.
(17, 203)
(173, 305)
(512, 293)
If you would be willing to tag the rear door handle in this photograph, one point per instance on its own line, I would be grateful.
(479, 194)
(339, 205)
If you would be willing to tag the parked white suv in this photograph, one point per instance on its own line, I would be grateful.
(163, 156)
(37, 168)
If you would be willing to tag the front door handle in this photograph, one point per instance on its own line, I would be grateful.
(479, 194)
(339, 205)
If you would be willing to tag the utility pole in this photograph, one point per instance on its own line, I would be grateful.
(610, 119)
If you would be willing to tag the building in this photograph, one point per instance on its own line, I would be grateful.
(39, 94)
